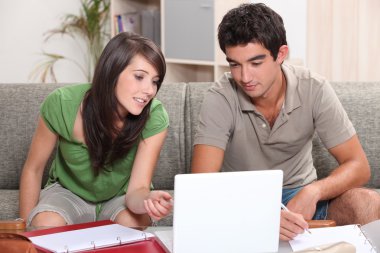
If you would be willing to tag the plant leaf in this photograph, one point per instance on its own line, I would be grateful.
(88, 26)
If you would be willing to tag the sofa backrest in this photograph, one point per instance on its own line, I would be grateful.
(19, 109)
(194, 99)
(172, 156)
(362, 104)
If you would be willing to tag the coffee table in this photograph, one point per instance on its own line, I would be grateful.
(165, 234)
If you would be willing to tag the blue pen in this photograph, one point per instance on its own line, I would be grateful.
(287, 210)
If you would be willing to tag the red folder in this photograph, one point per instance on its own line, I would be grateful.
(150, 245)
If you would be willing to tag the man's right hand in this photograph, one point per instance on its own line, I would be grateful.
(291, 225)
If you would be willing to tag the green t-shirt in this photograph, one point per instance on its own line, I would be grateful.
(71, 166)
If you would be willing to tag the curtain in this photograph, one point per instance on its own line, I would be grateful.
(343, 39)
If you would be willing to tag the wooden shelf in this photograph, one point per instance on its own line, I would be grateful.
(182, 55)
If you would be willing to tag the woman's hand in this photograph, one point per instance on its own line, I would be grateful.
(158, 204)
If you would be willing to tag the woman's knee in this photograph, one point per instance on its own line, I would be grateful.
(129, 219)
(48, 219)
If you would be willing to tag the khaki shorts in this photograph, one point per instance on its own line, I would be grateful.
(73, 209)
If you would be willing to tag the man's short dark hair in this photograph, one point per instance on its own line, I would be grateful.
(255, 23)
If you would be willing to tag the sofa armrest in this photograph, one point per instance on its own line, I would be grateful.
(12, 226)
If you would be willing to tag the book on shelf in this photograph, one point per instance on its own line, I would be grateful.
(129, 22)
(96, 237)
(366, 238)
(145, 22)
(150, 25)
(119, 25)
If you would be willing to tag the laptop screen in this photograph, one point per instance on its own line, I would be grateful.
(227, 212)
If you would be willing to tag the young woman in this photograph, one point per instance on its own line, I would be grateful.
(108, 136)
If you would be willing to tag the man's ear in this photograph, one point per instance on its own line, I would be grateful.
(282, 54)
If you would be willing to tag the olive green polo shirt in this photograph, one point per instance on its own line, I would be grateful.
(230, 121)
(71, 166)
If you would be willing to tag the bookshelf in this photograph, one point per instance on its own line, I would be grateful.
(187, 34)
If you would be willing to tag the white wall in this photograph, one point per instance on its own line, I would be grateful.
(22, 25)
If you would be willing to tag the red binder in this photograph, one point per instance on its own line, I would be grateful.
(150, 245)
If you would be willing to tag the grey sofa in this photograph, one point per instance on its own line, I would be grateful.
(19, 105)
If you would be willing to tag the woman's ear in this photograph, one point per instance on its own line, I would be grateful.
(282, 54)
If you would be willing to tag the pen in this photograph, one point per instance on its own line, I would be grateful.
(287, 210)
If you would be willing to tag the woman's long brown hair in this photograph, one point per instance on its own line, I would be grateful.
(106, 143)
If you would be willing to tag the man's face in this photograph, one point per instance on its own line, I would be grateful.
(254, 69)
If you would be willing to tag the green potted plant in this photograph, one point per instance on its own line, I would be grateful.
(89, 27)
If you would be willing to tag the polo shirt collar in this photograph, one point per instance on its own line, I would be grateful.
(292, 99)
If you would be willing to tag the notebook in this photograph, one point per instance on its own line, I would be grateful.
(99, 236)
(366, 239)
(227, 212)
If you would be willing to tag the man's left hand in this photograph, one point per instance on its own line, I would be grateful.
(305, 201)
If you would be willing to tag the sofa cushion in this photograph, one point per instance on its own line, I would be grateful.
(172, 156)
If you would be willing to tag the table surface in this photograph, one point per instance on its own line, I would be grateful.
(165, 234)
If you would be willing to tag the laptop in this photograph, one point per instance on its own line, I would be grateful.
(227, 212)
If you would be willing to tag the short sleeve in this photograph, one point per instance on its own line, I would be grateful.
(158, 120)
(331, 120)
(52, 113)
(215, 122)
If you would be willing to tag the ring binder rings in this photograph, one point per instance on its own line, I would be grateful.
(366, 241)
(365, 238)
(95, 237)
(371, 232)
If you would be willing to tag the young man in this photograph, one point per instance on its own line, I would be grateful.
(263, 115)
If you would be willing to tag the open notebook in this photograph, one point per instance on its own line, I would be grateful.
(369, 238)
(366, 239)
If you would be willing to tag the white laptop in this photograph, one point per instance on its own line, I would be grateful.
(227, 212)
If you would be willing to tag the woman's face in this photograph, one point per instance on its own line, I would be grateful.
(136, 86)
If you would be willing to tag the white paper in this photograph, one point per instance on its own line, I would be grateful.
(321, 236)
(89, 238)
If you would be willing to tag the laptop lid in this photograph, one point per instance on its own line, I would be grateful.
(227, 212)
